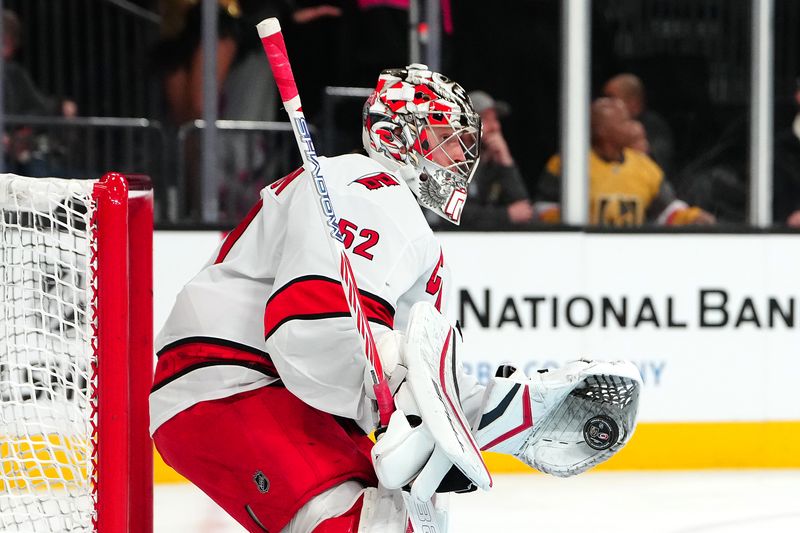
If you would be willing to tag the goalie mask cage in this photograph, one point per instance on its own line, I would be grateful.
(75, 354)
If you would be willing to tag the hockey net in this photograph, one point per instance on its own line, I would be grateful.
(75, 266)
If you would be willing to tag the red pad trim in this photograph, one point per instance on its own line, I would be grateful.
(443, 383)
(527, 421)
(316, 297)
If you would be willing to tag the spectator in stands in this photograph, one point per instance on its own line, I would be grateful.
(638, 137)
(178, 62)
(243, 73)
(179, 54)
(248, 159)
(626, 188)
(786, 194)
(246, 88)
(27, 149)
(250, 91)
(630, 89)
(497, 192)
(716, 179)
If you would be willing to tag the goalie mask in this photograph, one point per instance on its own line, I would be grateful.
(422, 125)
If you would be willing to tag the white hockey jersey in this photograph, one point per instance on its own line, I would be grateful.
(269, 305)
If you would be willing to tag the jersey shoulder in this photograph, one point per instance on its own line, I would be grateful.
(372, 191)
(359, 174)
(339, 174)
(363, 193)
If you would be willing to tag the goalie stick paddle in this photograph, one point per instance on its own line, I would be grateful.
(269, 30)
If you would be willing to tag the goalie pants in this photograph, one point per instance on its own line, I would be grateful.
(261, 455)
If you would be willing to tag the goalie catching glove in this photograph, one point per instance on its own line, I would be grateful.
(561, 422)
(564, 421)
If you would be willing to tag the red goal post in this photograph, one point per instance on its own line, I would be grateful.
(75, 354)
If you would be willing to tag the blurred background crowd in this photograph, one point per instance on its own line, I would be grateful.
(96, 85)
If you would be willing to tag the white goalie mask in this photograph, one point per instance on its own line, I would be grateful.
(422, 125)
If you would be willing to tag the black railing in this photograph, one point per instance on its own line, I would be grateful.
(251, 154)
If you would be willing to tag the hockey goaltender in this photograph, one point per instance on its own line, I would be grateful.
(260, 396)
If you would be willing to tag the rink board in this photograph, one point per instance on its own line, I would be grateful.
(712, 322)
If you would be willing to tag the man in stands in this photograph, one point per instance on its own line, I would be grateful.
(497, 193)
(27, 149)
(261, 397)
(630, 89)
(626, 187)
(786, 196)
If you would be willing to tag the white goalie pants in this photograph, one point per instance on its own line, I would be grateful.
(382, 511)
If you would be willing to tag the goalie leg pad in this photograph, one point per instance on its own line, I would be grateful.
(345, 523)
(430, 355)
(383, 511)
(350, 508)
(423, 454)
(336, 510)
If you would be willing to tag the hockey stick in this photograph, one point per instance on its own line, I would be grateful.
(269, 30)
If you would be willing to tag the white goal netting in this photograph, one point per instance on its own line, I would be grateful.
(47, 355)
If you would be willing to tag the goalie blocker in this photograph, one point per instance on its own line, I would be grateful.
(560, 422)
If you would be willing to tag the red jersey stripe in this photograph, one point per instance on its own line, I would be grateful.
(183, 358)
(233, 236)
(316, 297)
(284, 182)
